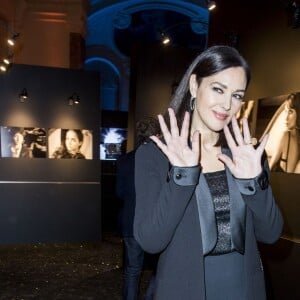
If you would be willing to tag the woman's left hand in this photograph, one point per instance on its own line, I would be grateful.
(246, 160)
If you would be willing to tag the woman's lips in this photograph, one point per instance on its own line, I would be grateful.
(220, 116)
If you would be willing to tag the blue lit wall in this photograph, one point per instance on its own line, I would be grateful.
(105, 17)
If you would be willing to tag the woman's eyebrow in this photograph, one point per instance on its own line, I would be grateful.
(224, 86)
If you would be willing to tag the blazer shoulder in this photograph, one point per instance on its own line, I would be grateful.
(150, 151)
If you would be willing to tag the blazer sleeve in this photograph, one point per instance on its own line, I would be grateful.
(267, 217)
(162, 196)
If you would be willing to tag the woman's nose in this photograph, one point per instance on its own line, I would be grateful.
(226, 102)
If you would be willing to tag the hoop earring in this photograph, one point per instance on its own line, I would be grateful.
(192, 103)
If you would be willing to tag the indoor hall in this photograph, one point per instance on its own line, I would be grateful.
(99, 67)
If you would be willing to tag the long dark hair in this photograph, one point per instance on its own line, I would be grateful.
(294, 103)
(211, 61)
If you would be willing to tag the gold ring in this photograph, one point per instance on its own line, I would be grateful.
(254, 141)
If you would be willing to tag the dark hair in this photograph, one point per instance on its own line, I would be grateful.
(294, 103)
(14, 130)
(145, 128)
(78, 133)
(211, 61)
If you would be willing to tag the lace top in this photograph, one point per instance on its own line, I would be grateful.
(217, 183)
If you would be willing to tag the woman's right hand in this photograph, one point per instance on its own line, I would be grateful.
(176, 146)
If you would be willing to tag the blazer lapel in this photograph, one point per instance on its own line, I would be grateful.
(237, 212)
(206, 215)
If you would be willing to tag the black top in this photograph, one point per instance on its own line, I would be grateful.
(217, 183)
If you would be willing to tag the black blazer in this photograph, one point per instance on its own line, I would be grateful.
(167, 222)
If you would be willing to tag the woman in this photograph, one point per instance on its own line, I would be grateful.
(283, 143)
(202, 194)
(71, 146)
(19, 148)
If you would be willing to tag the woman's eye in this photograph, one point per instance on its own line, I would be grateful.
(218, 90)
(238, 97)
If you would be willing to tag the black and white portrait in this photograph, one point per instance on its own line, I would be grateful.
(280, 118)
(23, 142)
(70, 143)
(111, 142)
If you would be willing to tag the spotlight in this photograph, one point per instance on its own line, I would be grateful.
(3, 68)
(23, 96)
(165, 39)
(8, 60)
(74, 99)
(11, 41)
(211, 5)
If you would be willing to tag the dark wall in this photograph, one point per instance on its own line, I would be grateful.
(41, 199)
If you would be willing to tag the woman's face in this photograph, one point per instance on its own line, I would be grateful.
(72, 142)
(218, 98)
(18, 138)
(290, 116)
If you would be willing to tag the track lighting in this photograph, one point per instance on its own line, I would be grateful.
(211, 5)
(11, 41)
(74, 99)
(8, 60)
(3, 68)
(23, 96)
(164, 38)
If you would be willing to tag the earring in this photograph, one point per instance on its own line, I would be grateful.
(192, 103)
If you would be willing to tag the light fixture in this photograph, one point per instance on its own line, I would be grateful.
(74, 99)
(164, 38)
(8, 60)
(211, 5)
(23, 96)
(11, 41)
(3, 68)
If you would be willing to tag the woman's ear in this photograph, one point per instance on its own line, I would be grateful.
(193, 85)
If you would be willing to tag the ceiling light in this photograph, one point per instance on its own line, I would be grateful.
(8, 60)
(3, 68)
(211, 5)
(11, 41)
(165, 39)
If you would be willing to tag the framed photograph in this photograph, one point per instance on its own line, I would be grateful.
(70, 143)
(112, 142)
(279, 117)
(23, 142)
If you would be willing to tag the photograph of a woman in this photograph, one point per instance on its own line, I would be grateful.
(19, 142)
(70, 143)
(283, 146)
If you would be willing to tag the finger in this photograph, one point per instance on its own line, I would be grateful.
(262, 144)
(226, 160)
(230, 141)
(236, 130)
(185, 126)
(159, 143)
(164, 129)
(196, 143)
(246, 131)
(173, 123)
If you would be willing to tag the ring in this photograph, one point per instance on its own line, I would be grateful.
(253, 141)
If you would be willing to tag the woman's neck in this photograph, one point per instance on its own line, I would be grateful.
(208, 137)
